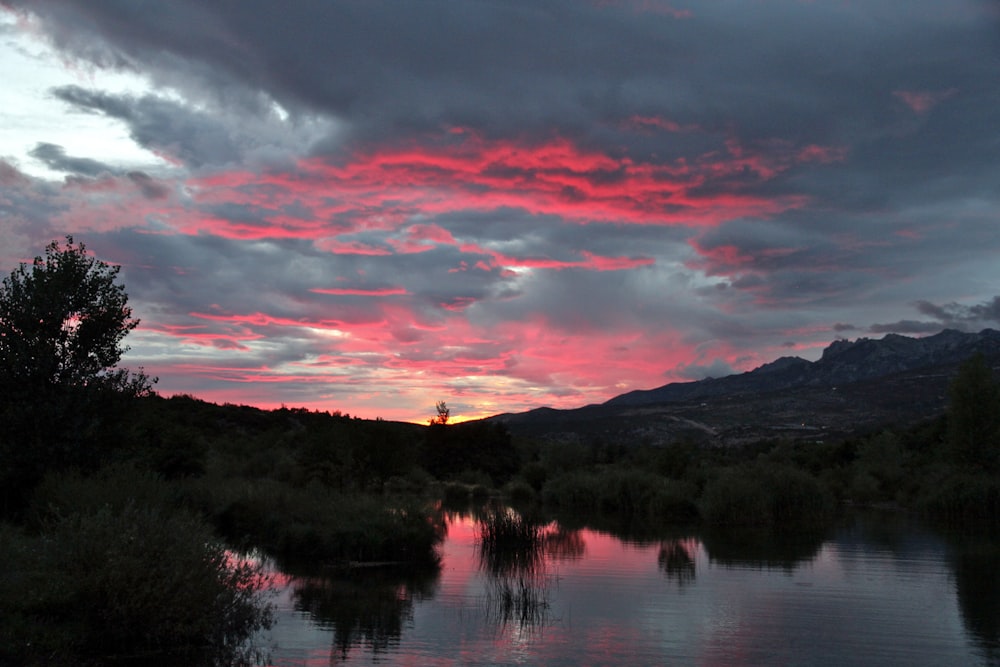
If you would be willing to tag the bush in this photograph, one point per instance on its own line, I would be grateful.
(138, 583)
(762, 495)
(519, 492)
(964, 498)
(318, 523)
(574, 491)
(673, 502)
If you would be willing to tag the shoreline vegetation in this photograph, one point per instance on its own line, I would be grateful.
(92, 552)
(130, 523)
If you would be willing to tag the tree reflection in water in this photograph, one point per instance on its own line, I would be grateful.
(975, 561)
(762, 547)
(676, 559)
(368, 607)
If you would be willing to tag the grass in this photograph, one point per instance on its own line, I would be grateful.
(519, 599)
(509, 543)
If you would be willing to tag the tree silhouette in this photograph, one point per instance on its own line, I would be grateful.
(974, 414)
(443, 413)
(62, 322)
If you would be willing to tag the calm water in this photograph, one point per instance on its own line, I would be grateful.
(879, 590)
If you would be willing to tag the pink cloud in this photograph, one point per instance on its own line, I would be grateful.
(922, 101)
(383, 189)
(650, 123)
(377, 291)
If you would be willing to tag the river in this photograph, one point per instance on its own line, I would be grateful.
(878, 589)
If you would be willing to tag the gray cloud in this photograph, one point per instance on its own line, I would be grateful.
(951, 315)
(55, 158)
(716, 369)
(846, 157)
(906, 327)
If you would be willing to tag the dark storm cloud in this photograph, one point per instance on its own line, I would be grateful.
(947, 316)
(149, 187)
(796, 69)
(955, 313)
(161, 125)
(692, 185)
(801, 73)
(716, 369)
(906, 327)
(55, 158)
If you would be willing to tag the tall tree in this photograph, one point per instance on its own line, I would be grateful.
(62, 321)
(974, 414)
(62, 396)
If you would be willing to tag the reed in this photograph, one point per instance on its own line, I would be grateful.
(522, 600)
(509, 543)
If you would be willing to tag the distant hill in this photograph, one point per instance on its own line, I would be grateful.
(856, 386)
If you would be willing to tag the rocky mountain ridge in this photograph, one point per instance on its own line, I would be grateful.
(842, 362)
(855, 386)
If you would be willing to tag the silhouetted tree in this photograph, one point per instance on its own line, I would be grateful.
(62, 323)
(974, 414)
(443, 413)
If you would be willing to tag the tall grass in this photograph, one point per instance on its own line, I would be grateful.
(509, 543)
(511, 553)
(520, 599)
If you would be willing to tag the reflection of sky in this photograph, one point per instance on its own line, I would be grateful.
(854, 603)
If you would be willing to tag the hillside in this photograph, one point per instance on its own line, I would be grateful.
(855, 387)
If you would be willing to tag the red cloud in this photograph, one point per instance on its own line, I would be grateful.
(385, 189)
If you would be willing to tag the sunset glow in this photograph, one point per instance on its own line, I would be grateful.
(503, 206)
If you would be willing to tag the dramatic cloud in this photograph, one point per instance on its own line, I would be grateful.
(369, 206)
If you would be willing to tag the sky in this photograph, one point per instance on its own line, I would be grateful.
(370, 206)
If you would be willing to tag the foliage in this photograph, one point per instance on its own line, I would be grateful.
(128, 583)
(964, 499)
(443, 413)
(62, 323)
(766, 495)
(449, 450)
(974, 415)
(317, 523)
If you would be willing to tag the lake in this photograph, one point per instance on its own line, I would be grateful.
(879, 589)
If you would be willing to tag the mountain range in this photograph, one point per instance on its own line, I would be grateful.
(856, 386)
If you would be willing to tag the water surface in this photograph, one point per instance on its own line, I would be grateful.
(879, 590)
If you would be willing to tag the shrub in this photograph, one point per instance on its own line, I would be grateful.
(318, 523)
(673, 502)
(964, 498)
(573, 491)
(519, 492)
(456, 494)
(765, 495)
(142, 583)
